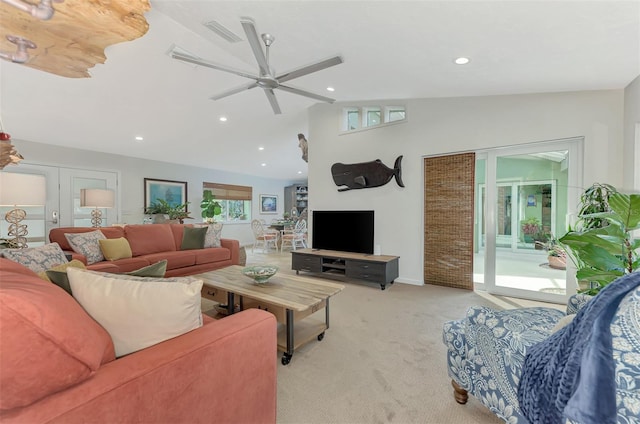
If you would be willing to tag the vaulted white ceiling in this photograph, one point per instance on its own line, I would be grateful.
(391, 50)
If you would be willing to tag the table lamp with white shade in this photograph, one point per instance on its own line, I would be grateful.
(96, 198)
(20, 190)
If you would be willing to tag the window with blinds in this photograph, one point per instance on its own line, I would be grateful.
(235, 201)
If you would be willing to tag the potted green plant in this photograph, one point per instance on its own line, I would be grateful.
(556, 255)
(179, 212)
(530, 227)
(602, 254)
(161, 208)
(210, 207)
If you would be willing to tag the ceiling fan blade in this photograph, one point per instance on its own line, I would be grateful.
(272, 99)
(318, 66)
(234, 91)
(208, 64)
(252, 37)
(306, 93)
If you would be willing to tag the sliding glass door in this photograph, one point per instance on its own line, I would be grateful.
(524, 197)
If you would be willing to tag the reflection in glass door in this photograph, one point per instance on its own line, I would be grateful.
(524, 196)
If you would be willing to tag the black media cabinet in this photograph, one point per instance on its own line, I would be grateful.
(379, 269)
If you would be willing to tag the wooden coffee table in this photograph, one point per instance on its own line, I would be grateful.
(291, 298)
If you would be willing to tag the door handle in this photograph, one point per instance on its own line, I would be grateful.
(54, 217)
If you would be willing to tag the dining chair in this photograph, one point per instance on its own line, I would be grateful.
(262, 236)
(296, 236)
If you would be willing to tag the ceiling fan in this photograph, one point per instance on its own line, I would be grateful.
(266, 79)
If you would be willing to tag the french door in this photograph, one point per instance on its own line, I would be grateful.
(62, 207)
(524, 196)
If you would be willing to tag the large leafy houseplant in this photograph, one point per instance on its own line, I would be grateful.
(593, 200)
(602, 254)
(210, 206)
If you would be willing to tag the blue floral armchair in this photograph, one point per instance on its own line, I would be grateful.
(486, 351)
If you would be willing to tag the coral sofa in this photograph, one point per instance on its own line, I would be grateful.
(151, 243)
(57, 364)
(486, 353)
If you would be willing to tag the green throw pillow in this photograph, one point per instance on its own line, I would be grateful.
(193, 238)
(156, 270)
(59, 278)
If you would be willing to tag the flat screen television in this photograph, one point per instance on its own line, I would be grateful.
(348, 231)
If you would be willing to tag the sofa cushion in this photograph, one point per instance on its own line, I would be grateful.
(156, 270)
(138, 312)
(123, 265)
(47, 341)
(114, 249)
(179, 259)
(150, 238)
(37, 259)
(217, 254)
(87, 244)
(193, 238)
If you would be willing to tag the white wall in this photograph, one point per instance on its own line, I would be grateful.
(133, 171)
(447, 125)
(631, 136)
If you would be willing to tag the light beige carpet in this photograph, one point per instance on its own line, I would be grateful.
(381, 361)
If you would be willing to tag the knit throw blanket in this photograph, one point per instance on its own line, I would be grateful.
(571, 374)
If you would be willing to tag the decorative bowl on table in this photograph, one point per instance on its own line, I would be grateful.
(260, 273)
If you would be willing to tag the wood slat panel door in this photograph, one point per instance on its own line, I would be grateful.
(448, 220)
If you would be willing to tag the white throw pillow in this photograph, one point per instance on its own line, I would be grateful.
(87, 244)
(138, 312)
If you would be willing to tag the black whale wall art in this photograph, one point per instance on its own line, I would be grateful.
(365, 174)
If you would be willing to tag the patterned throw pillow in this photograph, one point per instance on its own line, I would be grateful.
(37, 259)
(87, 244)
(214, 233)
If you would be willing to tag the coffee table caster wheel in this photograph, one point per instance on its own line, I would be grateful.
(286, 358)
(321, 336)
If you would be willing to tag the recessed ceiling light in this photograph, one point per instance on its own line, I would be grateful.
(299, 172)
(138, 138)
(223, 119)
(264, 164)
(331, 89)
(260, 148)
(462, 61)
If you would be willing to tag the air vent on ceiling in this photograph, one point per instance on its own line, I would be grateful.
(222, 31)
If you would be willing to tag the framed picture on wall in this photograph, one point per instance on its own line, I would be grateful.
(172, 192)
(268, 203)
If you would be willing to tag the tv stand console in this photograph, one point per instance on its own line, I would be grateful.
(379, 269)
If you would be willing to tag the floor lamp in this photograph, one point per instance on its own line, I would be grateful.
(96, 198)
(20, 190)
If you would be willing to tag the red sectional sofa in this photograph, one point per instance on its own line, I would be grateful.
(57, 364)
(151, 243)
